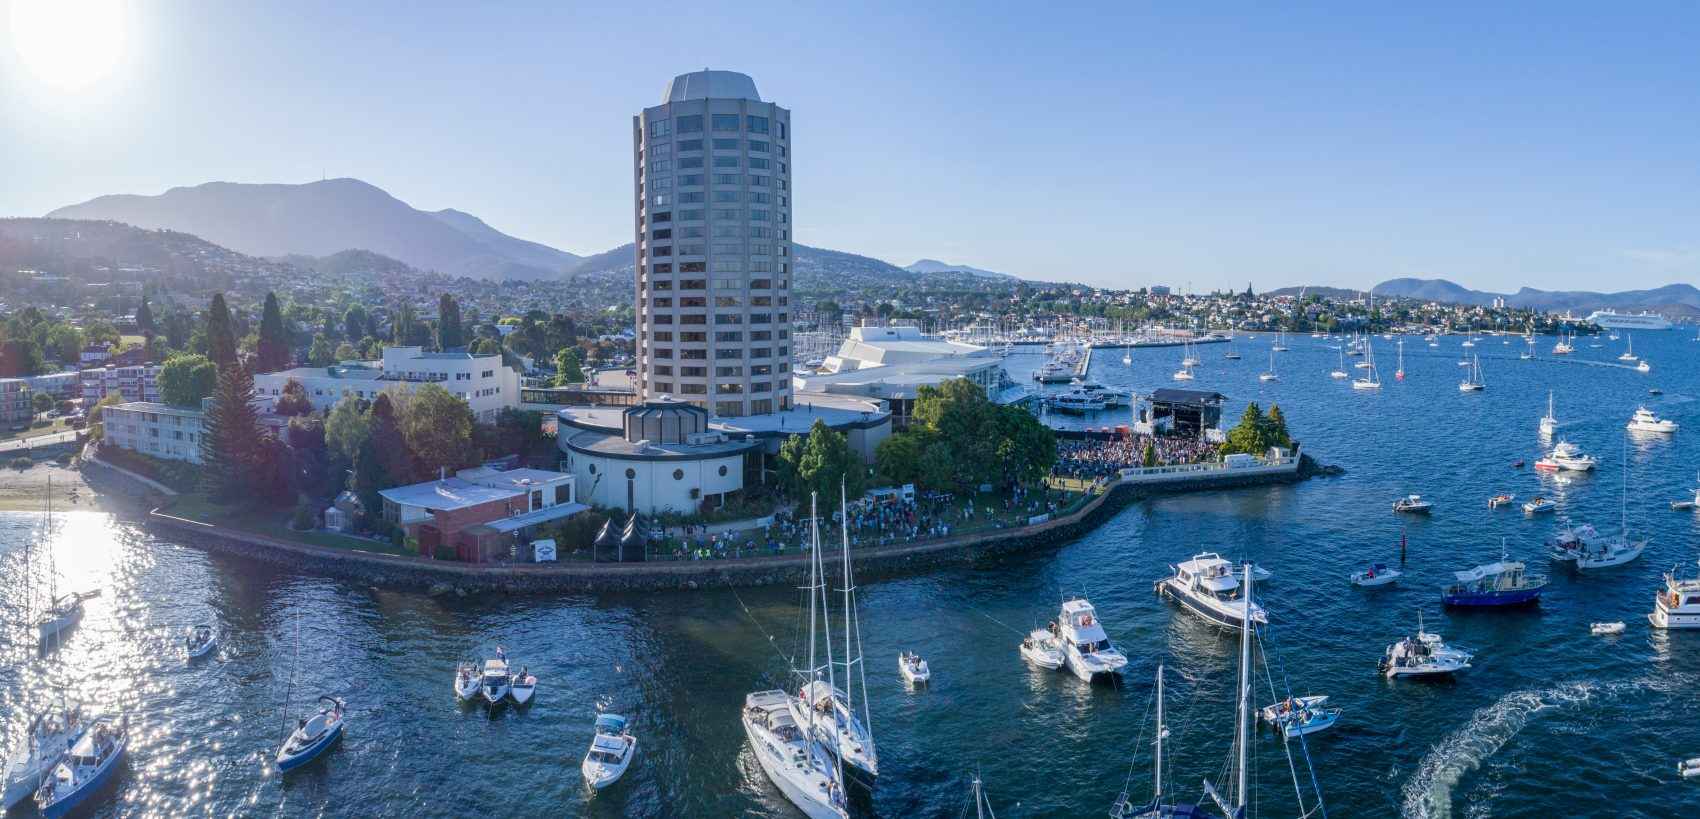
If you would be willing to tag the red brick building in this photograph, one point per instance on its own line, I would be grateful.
(480, 513)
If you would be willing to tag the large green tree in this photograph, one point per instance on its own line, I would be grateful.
(221, 336)
(449, 332)
(293, 399)
(230, 438)
(144, 318)
(186, 378)
(568, 368)
(354, 323)
(437, 427)
(272, 351)
(818, 462)
(347, 428)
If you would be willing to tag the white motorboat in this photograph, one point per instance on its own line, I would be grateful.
(1613, 551)
(1282, 711)
(1183, 374)
(1309, 721)
(1677, 605)
(496, 680)
(1043, 649)
(1501, 499)
(797, 765)
(611, 750)
(1413, 504)
(466, 681)
(914, 669)
(522, 686)
(200, 642)
(1549, 422)
(1689, 767)
(1605, 629)
(1643, 367)
(50, 734)
(1075, 402)
(1645, 420)
(84, 771)
(1053, 372)
(1110, 397)
(1540, 505)
(1423, 656)
(1087, 651)
(1206, 586)
(1687, 503)
(1379, 574)
(1566, 456)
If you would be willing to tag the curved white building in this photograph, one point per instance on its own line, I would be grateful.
(712, 171)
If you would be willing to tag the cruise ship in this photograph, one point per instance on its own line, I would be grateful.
(1628, 321)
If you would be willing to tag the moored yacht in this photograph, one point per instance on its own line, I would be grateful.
(1206, 586)
(1549, 422)
(312, 735)
(1086, 649)
(611, 750)
(1075, 402)
(1677, 605)
(87, 767)
(1645, 420)
(837, 727)
(1497, 584)
(43, 745)
(1566, 456)
(466, 681)
(1110, 397)
(1423, 656)
(496, 680)
(797, 765)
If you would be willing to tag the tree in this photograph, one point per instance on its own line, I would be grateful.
(449, 333)
(389, 447)
(230, 437)
(437, 427)
(272, 351)
(322, 353)
(20, 357)
(346, 351)
(110, 399)
(485, 346)
(1149, 458)
(897, 459)
(1278, 427)
(1251, 435)
(820, 462)
(64, 343)
(937, 467)
(368, 479)
(347, 428)
(568, 368)
(186, 378)
(354, 323)
(293, 400)
(221, 337)
(41, 402)
(144, 318)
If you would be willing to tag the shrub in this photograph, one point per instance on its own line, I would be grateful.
(21, 463)
(304, 518)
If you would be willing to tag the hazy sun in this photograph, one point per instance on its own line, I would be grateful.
(68, 44)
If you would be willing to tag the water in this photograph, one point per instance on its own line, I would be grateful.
(1550, 721)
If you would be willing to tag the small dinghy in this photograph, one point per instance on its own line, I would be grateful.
(1378, 575)
(495, 683)
(1502, 499)
(1309, 721)
(1539, 506)
(202, 640)
(85, 770)
(611, 752)
(466, 681)
(913, 668)
(1606, 628)
(1689, 767)
(1259, 573)
(1040, 647)
(523, 686)
(1284, 710)
(313, 735)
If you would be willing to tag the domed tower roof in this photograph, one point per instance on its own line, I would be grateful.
(704, 84)
(663, 421)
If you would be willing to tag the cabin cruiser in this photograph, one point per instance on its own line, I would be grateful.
(1043, 649)
(1565, 456)
(1075, 402)
(496, 681)
(796, 764)
(85, 769)
(1087, 651)
(1501, 583)
(1413, 504)
(1645, 421)
(1206, 586)
(1573, 536)
(610, 754)
(44, 744)
(1052, 372)
(1423, 656)
(1110, 397)
(837, 727)
(1604, 554)
(1677, 605)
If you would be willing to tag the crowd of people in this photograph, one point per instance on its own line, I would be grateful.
(1088, 459)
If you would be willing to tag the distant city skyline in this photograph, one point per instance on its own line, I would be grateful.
(1114, 146)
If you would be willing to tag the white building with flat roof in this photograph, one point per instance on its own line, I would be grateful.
(483, 381)
(892, 364)
(712, 209)
(154, 429)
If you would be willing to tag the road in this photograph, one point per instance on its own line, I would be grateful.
(38, 441)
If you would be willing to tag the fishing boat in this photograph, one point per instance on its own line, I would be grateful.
(1644, 420)
(1043, 649)
(1494, 585)
(1629, 350)
(1473, 380)
(1413, 504)
(1087, 650)
(1160, 806)
(200, 642)
(1540, 505)
(84, 771)
(466, 681)
(1604, 629)
(914, 669)
(1270, 375)
(522, 687)
(496, 681)
(1423, 656)
(1379, 574)
(1565, 456)
(1501, 499)
(44, 744)
(1677, 605)
(1549, 422)
(1206, 586)
(611, 750)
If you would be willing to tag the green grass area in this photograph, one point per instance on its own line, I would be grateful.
(135, 340)
(269, 522)
(58, 425)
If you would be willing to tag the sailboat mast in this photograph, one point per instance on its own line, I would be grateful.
(849, 608)
(1244, 727)
(1157, 758)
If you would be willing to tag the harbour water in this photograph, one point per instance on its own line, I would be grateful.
(1550, 721)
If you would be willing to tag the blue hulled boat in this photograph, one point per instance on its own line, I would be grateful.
(1498, 584)
(85, 771)
(312, 736)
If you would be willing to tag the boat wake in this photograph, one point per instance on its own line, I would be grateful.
(1428, 793)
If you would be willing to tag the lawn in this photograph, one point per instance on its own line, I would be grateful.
(269, 522)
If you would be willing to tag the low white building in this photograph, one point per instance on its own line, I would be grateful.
(157, 430)
(483, 381)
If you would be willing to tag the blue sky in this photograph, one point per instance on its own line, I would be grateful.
(1553, 145)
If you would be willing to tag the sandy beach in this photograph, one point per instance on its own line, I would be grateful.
(26, 490)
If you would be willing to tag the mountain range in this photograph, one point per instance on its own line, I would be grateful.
(1672, 300)
(936, 266)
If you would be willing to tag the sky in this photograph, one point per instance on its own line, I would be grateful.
(1201, 146)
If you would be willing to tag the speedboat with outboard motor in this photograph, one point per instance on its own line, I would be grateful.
(1043, 649)
(466, 681)
(610, 754)
(1206, 586)
(1423, 656)
(914, 669)
(1379, 574)
(522, 686)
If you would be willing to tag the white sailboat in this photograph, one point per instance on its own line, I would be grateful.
(1617, 550)
(1270, 375)
(1280, 345)
(1629, 351)
(784, 736)
(1473, 380)
(1549, 422)
(1399, 374)
(1340, 372)
(1372, 376)
(839, 727)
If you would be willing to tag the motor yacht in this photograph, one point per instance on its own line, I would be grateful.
(1206, 586)
(1043, 649)
(85, 769)
(1498, 584)
(1423, 656)
(1677, 605)
(1645, 420)
(1110, 397)
(1087, 651)
(1566, 456)
(797, 765)
(611, 751)
(1053, 372)
(1075, 402)
(1413, 504)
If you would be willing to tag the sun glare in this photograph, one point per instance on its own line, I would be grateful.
(68, 44)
